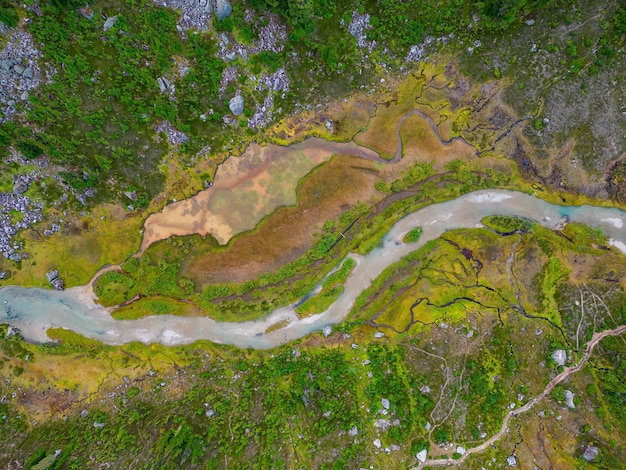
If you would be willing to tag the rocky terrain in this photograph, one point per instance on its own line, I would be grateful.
(20, 72)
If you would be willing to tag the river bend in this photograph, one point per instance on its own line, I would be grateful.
(34, 310)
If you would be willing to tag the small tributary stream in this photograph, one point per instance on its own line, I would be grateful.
(34, 310)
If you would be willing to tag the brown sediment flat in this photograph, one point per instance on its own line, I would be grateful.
(284, 236)
(246, 189)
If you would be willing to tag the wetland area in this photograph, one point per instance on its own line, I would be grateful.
(315, 234)
(34, 310)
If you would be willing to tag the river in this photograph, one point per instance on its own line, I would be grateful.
(34, 310)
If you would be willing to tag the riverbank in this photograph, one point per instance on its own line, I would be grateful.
(33, 311)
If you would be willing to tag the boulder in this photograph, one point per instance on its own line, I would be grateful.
(385, 403)
(51, 275)
(236, 105)
(21, 183)
(421, 455)
(28, 73)
(57, 283)
(110, 22)
(569, 399)
(54, 279)
(590, 453)
(559, 356)
(223, 9)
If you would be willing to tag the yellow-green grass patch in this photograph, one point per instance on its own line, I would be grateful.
(147, 306)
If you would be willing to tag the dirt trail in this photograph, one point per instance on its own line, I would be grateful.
(516, 412)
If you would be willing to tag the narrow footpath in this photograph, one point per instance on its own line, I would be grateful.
(528, 406)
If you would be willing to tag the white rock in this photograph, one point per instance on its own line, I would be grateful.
(569, 399)
(379, 334)
(236, 105)
(377, 443)
(421, 455)
(460, 450)
(110, 22)
(559, 356)
(327, 331)
(385, 403)
(511, 461)
(591, 452)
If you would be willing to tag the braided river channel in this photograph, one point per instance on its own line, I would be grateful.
(34, 310)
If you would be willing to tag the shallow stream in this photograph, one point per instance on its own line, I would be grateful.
(34, 310)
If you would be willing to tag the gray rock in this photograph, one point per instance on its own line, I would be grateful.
(58, 284)
(385, 403)
(6, 64)
(461, 450)
(327, 331)
(3, 275)
(131, 195)
(236, 105)
(54, 279)
(377, 443)
(110, 22)
(422, 455)
(382, 424)
(28, 73)
(559, 356)
(590, 453)
(161, 84)
(24, 96)
(223, 9)
(354, 431)
(20, 184)
(511, 460)
(530, 22)
(569, 399)
(18, 69)
(98, 425)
